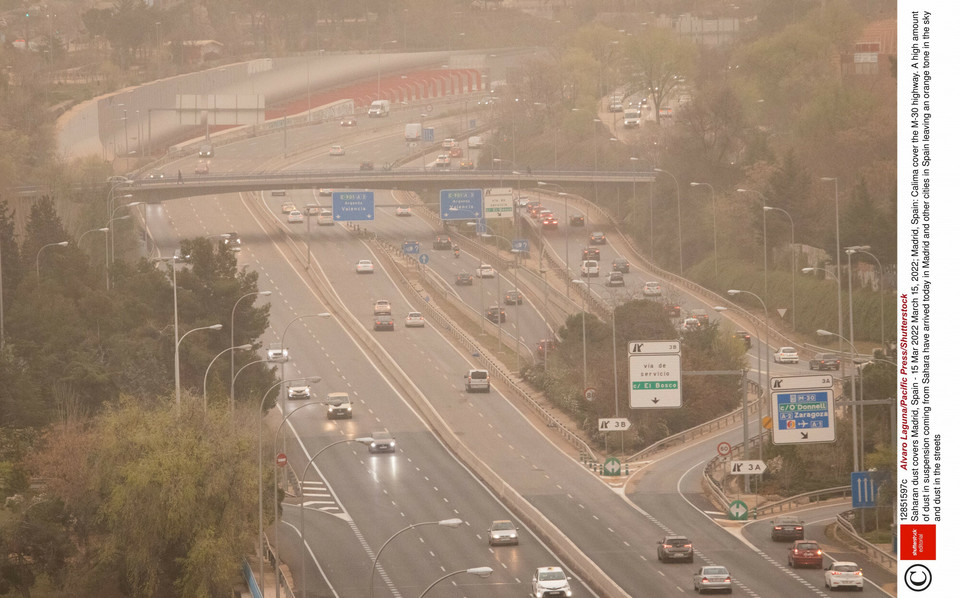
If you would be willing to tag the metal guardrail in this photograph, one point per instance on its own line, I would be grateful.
(874, 553)
(805, 498)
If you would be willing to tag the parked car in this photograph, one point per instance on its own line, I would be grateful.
(674, 548)
(712, 578)
(843, 574)
(502, 531)
(464, 279)
(598, 238)
(805, 553)
(620, 264)
(786, 355)
(786, 527)
(825, 361)
(615, 279)
(339, 406)
(651, 289)
(513, 297)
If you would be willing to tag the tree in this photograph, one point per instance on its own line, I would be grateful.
(660, 61)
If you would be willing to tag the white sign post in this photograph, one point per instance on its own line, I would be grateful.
(654, 374)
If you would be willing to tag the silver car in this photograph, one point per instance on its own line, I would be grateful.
(502, 531)
(712, 579)
(382, 442)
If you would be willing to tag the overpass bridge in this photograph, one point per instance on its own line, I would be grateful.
(420, 180)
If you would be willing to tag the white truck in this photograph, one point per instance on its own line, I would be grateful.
(379, 108)
(412, 131)
(474, 142)
(631, 117)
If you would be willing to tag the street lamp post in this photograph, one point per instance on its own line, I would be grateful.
(679, 228)
(836, 207)
(176, 350)
(566, 232)
(716, 258)
(853, 394)
(210, 365)
(232, 314)
(92, 230)
(764, 199)
(451, 523)
(303, 531)
(793, 260)
(478, 571)
(583, 325)
(106, 242)
(836, 277)
(766, 341)
(853, 387)
(60, 244)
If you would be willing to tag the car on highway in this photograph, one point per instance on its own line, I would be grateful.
(337, 150)
(325, 217)
(825, 361)
(477, 380)
(339, 406)
(805, 553)
(404, 211)
(381, 308)
(549, 222)
(690, 324)
(206, 151)
(467, 165)
(674, 548)
(843, 574)
(621, 265)
(364, 267)
(464, 279)
(232, 241)
(590, 268)
(382, 442)
(786, 527)
(551, 581)
(287, 207)
(615, 279)
(544, 346)
(277, 355)
(156, 175)
(442, 161)
(700, 314)
(672, 310)
(448, 143)
(744, 337)
(486, 271)
(597, 238)
(324, 192)
(456, 152)
(496, 314)
(383, 323)
(203, 167)
(651, 288)
(366, 165)
(533, 208)
(311, 209)
(442, 242)
(502, 531)
(712, 578)
(786, 355)
(295, 216)
(298, 392)
(590, 253)
(348, 122)
(414, 319)
(513, 297)
(577, 220)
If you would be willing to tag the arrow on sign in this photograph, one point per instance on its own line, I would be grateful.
(804, 435)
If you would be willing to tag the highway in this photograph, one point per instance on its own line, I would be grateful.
(367, 498)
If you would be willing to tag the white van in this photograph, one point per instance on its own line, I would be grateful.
(474, 142)
(477, 380)
(412, 131)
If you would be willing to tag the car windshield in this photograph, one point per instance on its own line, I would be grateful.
(552, 576)
(715, 571)
(381, 436)
(502, 525)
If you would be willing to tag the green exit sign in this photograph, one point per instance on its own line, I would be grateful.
(665, 385)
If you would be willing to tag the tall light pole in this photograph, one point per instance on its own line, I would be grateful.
(766, 341)
(679, 228)
(176, 351)
(853, 384)
(106, 239)
(232, 327)
(836, 207)
(566, 232)
(863, 249)
(793, 259)
(583, 325)
(516, 284)
(92, 230)
(764, 199)
(303, 507)
(450, 523)
(379, 55)
(853, 394)
(716, 258)
(836, 277)
(60, 244)
(210, 365)
(478, 571)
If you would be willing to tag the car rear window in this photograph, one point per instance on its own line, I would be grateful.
(678, 541)
(478, 375)
(807, 546)
(846, 568)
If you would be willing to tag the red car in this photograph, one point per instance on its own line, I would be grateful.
(805, 553)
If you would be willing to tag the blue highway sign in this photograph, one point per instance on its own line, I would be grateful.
(411, 246)
(461, 204)
(520, 245)
(427, 133)
(863, 492)
(351, 206)
(424, 258)
(803, 416)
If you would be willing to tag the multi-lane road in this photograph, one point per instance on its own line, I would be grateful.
(357, 500)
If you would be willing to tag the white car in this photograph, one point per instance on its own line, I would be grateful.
(690, 324)
(551, 581)
(298, 392)
(843, 574)
(339, 406)
(486, 271)
(786, 355)
(295, 216)
(590, 268)
(442, 161)
(381, 308)
(325, 217)
(364, 267)
(414, 320)
(448, 143)
(404, 211)
(651, 289)
(287, 207)
(712, 578)
(277, 355)
(337, 150)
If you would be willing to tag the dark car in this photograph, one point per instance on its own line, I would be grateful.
(672, 310)
(590, 253)
(576, 220)
(620, 264)
(615, 279)
(496, 314)
(545, 346)
(598, 238)
(825, 361)
(232, 241)
(805, 553)
(786, 527)
(674, 548)
(513, 298)
(442, 242)
(464, 279)
(382, 442)
(744, 337)
(383, 323)
(366, 165)
(348, 122)
(701, 315)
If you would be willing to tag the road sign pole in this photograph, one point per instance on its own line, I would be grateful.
(746, 429)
